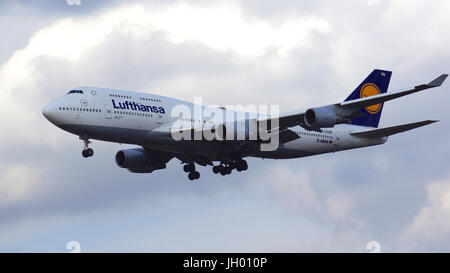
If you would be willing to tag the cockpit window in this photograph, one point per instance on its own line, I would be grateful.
(75, 91)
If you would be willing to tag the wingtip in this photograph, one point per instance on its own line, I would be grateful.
(438, 81)
(430, 121)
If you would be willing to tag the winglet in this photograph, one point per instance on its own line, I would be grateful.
(438, 81)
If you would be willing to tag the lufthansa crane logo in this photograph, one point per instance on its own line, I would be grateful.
(370, 89)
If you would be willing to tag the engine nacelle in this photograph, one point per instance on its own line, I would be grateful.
(321, 117)
(140, 160)
(149, 168)
(132, 158)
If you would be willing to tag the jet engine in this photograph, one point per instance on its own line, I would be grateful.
(321, 117)
(142, 160)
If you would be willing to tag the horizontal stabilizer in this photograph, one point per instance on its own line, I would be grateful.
(383, 132)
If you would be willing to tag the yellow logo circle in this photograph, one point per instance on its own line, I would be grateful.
(370, 89)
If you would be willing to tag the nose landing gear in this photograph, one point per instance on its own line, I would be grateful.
(87, 152)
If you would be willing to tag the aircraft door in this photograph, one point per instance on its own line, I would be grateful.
(108, 112)
(336, 140)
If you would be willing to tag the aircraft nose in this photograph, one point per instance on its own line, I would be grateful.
(48, 112)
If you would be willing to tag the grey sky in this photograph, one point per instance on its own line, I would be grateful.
(296, 54)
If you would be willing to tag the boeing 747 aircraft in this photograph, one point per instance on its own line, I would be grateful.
(155, 123)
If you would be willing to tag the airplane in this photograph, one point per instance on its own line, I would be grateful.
(147, 120)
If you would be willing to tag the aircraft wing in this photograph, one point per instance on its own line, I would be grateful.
(285, 120)
(285, 135)
(345, 111)
(372, 100)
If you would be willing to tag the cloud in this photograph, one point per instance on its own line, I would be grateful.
(296, 54)
(296, 191)
(18, 183)
(432, 223)
(374, 2)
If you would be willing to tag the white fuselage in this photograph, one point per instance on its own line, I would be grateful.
(145, 119)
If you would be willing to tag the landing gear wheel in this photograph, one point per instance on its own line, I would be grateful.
(194, 175)
(216, 169)
(87, 153)
(241, 165)
(189, 168)
(232, 165)
(244, 165)
(191, 176)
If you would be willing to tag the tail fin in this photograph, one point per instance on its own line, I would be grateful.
(376, 83)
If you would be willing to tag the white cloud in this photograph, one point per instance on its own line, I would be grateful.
(373, 2)
(18, 183)
(224, 27)
(340, 207)
(295, 191)
(432, 223)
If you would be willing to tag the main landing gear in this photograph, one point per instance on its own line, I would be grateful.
(87, 152)
(227, 168)
(192, 173)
